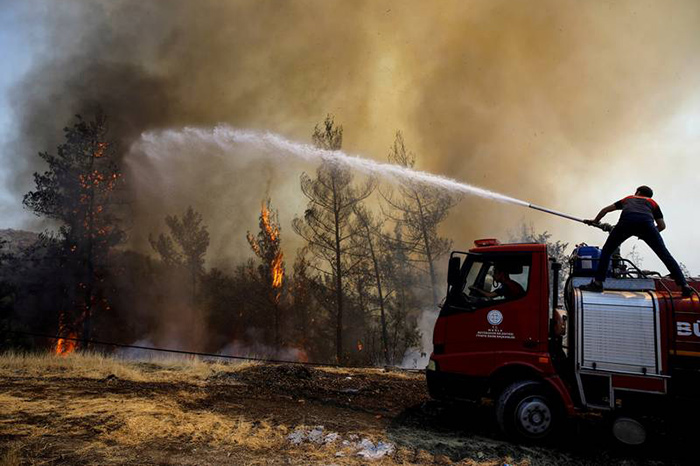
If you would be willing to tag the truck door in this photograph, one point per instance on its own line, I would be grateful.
(493, 315)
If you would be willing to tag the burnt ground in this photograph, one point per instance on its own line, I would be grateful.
(245, 416)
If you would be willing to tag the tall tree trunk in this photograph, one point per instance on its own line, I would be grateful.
(90, 265)
(428, 252)
(338, 281)
(193, 312)
(278, 344)
(380, 295)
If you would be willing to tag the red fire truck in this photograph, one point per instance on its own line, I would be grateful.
(628, 352)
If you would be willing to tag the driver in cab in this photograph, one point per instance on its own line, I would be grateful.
(508, 288)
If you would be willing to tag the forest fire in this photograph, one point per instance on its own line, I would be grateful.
(277, 271)
(66, 344)
(272, 232)
(267, 247)
(64, 347)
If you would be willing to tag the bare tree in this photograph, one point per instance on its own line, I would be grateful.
(421, 209)
(327, 224)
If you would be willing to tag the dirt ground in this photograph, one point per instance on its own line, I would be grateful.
(99, 411)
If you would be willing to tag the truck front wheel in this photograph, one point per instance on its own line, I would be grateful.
(525, 411)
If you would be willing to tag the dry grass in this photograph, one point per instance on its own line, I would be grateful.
(50, 421)
(12, 456)
(98, 366)
(395, 373)
(131, 421)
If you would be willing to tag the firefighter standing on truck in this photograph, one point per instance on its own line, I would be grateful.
(639, 212)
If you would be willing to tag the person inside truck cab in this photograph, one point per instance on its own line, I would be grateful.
(641, 216)
(508, 288)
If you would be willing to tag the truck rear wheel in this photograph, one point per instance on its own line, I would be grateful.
(525, 411)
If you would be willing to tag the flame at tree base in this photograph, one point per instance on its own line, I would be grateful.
(67, 341)
(64, 347)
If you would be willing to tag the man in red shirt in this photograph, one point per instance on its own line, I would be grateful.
(639, 212)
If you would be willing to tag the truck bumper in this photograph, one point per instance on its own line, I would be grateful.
(449, 386)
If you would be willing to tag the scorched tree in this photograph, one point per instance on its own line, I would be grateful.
(78, 192)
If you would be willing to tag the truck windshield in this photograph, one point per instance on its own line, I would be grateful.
(489, 279)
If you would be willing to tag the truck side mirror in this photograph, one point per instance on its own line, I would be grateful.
(453, 271)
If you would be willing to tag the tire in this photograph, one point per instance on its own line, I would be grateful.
(526, 411)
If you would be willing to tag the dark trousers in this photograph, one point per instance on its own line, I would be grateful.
(646, 231)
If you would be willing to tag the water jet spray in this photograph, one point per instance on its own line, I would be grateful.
(223, 137)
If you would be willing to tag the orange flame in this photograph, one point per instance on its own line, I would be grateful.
(272, 232)
(63, 346)
(101, 146)
(277, 271)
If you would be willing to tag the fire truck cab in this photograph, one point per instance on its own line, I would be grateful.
(501, 334)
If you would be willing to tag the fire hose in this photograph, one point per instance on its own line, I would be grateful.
(603, 226)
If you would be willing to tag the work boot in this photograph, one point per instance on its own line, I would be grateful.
(595, 286)
(687, 291)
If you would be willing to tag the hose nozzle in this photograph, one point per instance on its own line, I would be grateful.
(603, 226)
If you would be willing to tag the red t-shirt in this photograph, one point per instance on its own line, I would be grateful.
(639, 207)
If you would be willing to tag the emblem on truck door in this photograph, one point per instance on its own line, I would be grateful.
(494, 317)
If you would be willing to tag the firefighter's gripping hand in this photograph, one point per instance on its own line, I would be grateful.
(592, 223)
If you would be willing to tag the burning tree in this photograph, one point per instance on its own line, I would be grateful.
(78, 192)
(266, 245)
(421, 208)
(327, 224)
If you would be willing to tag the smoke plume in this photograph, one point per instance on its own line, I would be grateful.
(509, 95)
(539, 100)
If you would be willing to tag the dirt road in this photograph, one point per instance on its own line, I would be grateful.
(144, 413)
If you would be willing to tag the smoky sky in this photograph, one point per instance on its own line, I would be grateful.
(542, 100)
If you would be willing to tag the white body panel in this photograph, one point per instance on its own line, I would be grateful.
(618, 331)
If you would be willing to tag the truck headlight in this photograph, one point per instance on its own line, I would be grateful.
(432, 366)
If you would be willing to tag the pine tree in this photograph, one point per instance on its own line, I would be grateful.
(327, 224)
(185, 246)
(421, 209)
(78, 191)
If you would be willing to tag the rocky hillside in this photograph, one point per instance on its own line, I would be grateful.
(14, 241)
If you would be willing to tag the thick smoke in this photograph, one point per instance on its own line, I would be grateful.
(168, 64)
(565, 104)
(518, 97)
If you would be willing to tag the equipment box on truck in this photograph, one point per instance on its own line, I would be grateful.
(629, 351)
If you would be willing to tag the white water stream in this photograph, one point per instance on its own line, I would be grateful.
(274, 145)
